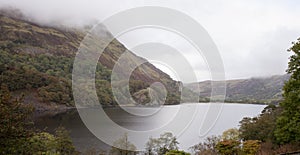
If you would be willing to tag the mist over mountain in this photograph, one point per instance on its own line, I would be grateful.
(37, 60)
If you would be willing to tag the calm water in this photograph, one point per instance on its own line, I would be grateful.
(184, 121)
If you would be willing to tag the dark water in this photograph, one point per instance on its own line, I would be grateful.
(83, 139)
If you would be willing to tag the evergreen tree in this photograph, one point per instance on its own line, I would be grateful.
(288, 123)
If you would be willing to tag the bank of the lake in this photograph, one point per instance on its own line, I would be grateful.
(228, 117)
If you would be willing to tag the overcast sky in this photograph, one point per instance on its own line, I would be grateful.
(252, 36)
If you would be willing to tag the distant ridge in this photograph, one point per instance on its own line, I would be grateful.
(254, 90)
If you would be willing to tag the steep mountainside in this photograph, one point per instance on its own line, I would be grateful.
(37, 60)
(254, 90)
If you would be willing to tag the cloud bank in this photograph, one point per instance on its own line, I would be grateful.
(252, 36)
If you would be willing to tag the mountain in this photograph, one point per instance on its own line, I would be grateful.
(37, 60)
(254, 90)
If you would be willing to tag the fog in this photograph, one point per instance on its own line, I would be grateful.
(252, 36)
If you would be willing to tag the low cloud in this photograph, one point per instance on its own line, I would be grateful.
(252, 36)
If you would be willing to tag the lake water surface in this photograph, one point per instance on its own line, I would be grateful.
(150, 119)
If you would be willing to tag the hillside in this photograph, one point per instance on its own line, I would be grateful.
(253, 90)
(37, 60)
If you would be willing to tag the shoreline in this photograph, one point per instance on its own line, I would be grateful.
(58, 109)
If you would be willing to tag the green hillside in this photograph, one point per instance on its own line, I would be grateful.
(37, 61)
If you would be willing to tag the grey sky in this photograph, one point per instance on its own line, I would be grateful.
(252, 36)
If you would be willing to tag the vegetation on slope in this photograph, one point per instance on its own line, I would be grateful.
(38, 60)
(17, 134)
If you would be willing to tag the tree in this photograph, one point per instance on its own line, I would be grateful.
(230, 142)
(288, 123)
(123, 146)
(152, 146)
(207, 147)
(42, 143)
(63, 141)
(261, 127)
(228, 147)
(231, 134)
(251, 147)
(14, 123)
(16, 135)
(163, 144)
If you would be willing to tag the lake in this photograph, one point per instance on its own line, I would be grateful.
(182, 120)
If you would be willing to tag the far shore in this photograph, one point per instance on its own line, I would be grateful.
(48, 110)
